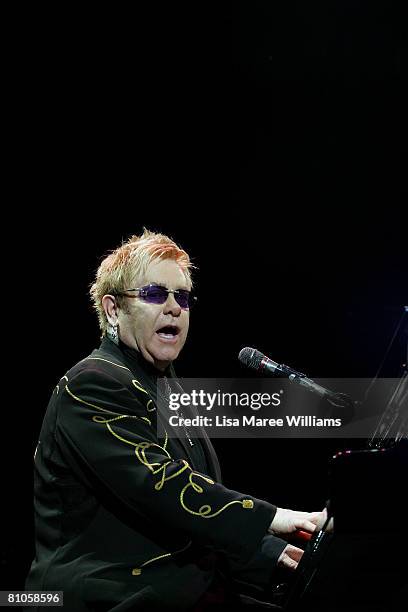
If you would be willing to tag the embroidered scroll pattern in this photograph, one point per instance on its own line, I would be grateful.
(160, 468)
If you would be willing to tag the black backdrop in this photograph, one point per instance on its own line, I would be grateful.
(268, 139)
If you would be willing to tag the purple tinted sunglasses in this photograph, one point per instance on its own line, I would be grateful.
(157, 294)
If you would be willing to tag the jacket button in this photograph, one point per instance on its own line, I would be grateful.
(136, 571)
(247, 503)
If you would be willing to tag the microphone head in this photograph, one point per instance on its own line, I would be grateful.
(251, 357)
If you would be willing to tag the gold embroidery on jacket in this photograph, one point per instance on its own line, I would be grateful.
(117, 416)
(137, 384)
(107, 361)
(148, 404)
(136, 571)
(57, 387)
(166, 439)
(204, 511)
(100, 419)
(140, 451)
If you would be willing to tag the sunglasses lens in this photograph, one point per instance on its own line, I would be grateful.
(155, 295)
(183, 298)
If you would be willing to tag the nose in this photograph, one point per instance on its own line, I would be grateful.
(171, 306)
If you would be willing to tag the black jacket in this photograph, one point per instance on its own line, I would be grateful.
(127, 521)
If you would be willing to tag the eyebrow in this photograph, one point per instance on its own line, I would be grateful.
(164, 287)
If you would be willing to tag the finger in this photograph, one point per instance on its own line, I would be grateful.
(289, 563)
(294, 552)
(301, 514)
(305, 525)
(318, 516)
(285, 561)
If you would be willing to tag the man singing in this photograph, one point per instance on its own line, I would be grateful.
(126, 520)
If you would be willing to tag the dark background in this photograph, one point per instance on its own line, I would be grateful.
(268, 139)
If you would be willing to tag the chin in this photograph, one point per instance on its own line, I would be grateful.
(166, 355)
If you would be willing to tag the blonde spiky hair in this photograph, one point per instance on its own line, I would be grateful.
(128, 263)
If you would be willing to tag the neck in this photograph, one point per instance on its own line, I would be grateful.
(160, 366)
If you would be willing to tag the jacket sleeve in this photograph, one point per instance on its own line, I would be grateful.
(261, 567)
(108, 434)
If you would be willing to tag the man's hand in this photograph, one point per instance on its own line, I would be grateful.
(290, 557)
(286, 522)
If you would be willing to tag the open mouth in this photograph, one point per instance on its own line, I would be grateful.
(169, 332)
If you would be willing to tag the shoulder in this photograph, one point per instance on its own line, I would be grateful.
(102, 375)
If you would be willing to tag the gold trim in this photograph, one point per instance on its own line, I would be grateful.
(100, 419)
(57, 387)
(78, 399)
(135, 382)
(107, 361)
(136, 571)
(204, 511)
(150, 409)
(138, 386)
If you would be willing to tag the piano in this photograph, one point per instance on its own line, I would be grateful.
(362, 564)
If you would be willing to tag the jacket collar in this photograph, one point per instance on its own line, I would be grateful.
(134, 359)
(136, 362)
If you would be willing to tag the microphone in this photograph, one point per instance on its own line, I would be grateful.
(258, 361)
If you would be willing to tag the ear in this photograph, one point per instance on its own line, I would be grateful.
(111, 309)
